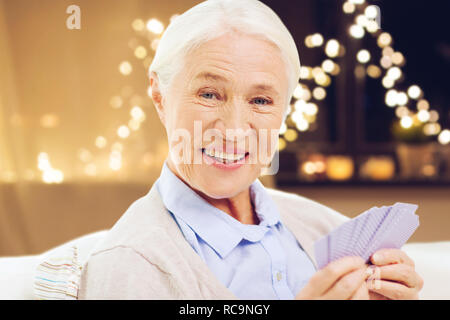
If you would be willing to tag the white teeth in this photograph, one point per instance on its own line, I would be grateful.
(224, 156)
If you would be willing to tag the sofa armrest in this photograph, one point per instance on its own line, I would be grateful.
(432, 261)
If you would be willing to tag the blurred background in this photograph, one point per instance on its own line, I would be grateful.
(80, 140)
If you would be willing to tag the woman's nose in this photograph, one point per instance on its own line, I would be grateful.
(234, 117)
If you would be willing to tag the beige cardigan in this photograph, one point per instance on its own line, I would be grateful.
(145, 255)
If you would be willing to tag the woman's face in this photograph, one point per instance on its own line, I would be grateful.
(226, 103)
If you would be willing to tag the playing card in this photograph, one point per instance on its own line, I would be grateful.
(374, 229)
(371, 226)
(321, 251)
(397, 229)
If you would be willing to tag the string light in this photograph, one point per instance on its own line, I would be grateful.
(386, 62)
(300, 105)
(311, 109)
(123, 131)
(398, 59)
(306, 93)
(363, 56)
(100, 142)
(298, 91)
(348, 7)
(155, 26)
(387, 82)
(423, 104)
(384, 39)
(391, 98)
(373, 71)
(115, 160)
(388, 51)
(322, 79)
(361, 20)
(137, 113)
(140, 52)
(308, 41)
(332, 48)
(49, 174)
(402, 98)
(406, 122)
(423, 115)
(125, 68)
(444, 137)
(434, 116)
(290, 135)
(138, 24)
(317, 39)
(414, 92)
(309, 167)
(302, 125)
(431, 129)
(371, 12)
(394, 73)
(372, 26)
(401, 111)
(356, 31)
(305, 73)
(319, 93)
(328, 65)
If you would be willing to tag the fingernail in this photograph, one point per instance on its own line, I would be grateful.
(377, 257)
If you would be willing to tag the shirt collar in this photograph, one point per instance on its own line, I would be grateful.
(218, 229)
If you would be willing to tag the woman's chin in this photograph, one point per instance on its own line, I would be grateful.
(226, 188)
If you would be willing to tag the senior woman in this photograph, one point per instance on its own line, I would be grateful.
(208, 228)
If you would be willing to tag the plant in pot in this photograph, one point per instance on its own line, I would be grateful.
(415, 149)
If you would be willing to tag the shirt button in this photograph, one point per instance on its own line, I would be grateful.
(279, 276)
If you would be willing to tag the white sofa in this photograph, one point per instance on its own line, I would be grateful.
(17, 274)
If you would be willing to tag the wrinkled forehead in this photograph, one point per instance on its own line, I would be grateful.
(218, 60)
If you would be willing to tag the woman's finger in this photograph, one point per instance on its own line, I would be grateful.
(402, 273)
(389, 256)
(324, 279)
(347, 286)
(362, 293)
(392, 290)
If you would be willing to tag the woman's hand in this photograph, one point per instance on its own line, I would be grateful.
(341, 279)
(394, 276)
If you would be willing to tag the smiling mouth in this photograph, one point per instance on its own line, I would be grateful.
(223, 156)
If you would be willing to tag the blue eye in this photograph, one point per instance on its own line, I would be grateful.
(262, 99)
(207, 93)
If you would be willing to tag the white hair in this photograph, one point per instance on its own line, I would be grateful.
(212, 18)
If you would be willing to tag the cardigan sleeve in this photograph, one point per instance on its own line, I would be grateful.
(121, 273)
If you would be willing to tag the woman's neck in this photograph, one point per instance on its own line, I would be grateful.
(239, 207)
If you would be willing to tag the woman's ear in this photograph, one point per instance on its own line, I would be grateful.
(157, 96)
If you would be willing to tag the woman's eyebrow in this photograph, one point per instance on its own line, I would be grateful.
(210, 76)
(215, 77)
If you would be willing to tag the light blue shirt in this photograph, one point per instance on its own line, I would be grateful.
(263, 261)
